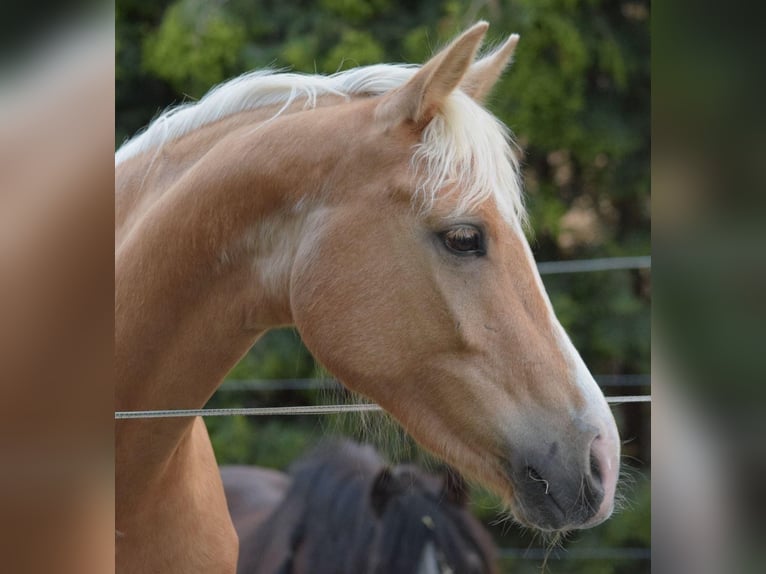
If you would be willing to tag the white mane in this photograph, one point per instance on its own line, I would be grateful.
(464, 146)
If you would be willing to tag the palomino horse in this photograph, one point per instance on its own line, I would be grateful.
(345, 512)
(379, 211)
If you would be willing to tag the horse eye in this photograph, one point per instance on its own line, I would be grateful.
(464, 240)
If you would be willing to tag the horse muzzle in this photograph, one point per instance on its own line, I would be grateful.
(565, 486)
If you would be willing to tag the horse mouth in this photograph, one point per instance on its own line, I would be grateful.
(553, 520)
(547, 506)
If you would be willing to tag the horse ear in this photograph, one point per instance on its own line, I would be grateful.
(455, 489)
(421, 97)
(482, 76)
(384, 488)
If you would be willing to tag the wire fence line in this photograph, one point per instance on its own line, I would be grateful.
(298, 410)
(306, 384)
(590, 265)
(623, 380)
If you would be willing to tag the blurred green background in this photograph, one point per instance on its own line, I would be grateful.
(577, 99)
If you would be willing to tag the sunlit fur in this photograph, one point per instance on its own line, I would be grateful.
(464, 148)
(262, 88)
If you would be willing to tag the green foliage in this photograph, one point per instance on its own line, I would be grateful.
(354, 49)
(298, 53)
(237, 440)
(195, 47)
(415, 46)
(354, 11)
(279, 354)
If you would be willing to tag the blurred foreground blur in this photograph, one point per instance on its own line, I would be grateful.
(56, 300)
(709, 243)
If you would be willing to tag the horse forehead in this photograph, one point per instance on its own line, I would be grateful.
(380, 147)
(372, 154)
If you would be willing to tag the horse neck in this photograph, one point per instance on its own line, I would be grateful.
(202, 264)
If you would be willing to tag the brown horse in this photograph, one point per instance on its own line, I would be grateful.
(343, 511)
(380, 212)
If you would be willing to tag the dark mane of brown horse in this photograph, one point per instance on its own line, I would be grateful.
(346, 512)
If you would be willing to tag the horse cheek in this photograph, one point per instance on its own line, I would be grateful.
(336, 311)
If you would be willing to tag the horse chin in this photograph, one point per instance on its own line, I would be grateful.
(516, 511)
(525, 515)
(543, 522)
(523, 518)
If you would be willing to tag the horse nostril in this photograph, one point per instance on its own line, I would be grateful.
(596, 475)
(595, 468)
(534, 476)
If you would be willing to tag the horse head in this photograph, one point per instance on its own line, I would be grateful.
(417, 288)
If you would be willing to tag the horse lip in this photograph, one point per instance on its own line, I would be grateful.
(560, 515)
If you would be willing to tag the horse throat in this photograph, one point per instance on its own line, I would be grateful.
(201, 271)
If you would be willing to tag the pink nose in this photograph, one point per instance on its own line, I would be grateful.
(604, 472)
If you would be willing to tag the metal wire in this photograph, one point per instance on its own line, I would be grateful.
(588, 265)
(254, 411)
(299, 410)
